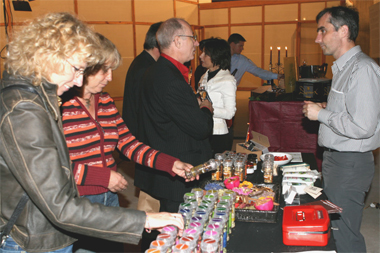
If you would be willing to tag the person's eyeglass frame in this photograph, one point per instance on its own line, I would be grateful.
(194, 37)
(77, 71)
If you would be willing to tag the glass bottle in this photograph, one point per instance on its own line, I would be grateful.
(210, 165)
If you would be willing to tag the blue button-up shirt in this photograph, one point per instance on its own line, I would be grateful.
(243, 64)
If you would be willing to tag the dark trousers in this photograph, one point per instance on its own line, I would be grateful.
(347, 177)
(220, 143)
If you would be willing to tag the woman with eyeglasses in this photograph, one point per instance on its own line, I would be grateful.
(221, 88)
(45, 59)
(94, 129)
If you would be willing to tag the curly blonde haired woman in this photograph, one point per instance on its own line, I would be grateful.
(46, 59)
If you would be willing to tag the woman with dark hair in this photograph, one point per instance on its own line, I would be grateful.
(221, 87)
(93, 129)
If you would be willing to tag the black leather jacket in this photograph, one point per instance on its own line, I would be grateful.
(34, 158)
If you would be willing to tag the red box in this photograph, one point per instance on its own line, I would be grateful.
(305, 226)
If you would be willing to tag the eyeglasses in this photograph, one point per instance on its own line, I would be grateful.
(76, 70)
(194, 37)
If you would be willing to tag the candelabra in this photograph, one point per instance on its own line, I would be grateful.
(277, 68)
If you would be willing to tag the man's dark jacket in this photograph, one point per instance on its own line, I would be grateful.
(171, 121)
(131, 88)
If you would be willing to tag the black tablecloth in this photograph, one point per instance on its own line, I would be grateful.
(267, 237)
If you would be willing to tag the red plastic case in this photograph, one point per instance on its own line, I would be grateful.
(305, 226)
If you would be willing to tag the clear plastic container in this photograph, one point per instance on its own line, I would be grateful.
(167, 238)
(171, 230)
(181, 248)
(188, 195)
(154, 250)
(158, 244)
(188, 240)
(209, 245)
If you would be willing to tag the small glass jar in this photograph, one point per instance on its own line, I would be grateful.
(219, 156)
(239, 169)
(251, 163)
(227, 168)
(268, 175)
(218, 174)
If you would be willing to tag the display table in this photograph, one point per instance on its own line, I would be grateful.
(267, 237)
(286, 127)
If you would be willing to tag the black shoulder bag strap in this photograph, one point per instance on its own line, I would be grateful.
(21, 204)
(16, 213)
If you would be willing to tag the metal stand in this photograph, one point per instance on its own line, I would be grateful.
(278, 69)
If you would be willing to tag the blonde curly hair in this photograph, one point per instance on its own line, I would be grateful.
(41, 47)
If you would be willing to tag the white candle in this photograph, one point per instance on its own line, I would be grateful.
(270, 58)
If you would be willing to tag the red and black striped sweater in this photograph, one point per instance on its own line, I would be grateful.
(91, 143)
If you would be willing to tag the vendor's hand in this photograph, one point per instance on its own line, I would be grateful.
(208, 104)
(179, 168)
(117, 182)
(163, 219)
(311, 110)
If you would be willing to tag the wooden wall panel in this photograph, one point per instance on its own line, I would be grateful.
(281, 12)
(336, 3)
(122, 37)
(246, 15)
(310, 10)
(242, 113)
(141, 31)
(100, 10)
(41, 7)
(280, 36)
(310, 51)
(153, 10)
(188, 12)
(221, 32)
(214, 17)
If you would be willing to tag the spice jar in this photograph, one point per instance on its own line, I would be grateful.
(227, 169)
(218, 174)
(251, 163)
(268, 174)
(239, 169)
(210, 165)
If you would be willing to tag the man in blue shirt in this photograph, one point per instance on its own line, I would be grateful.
(241, 64)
